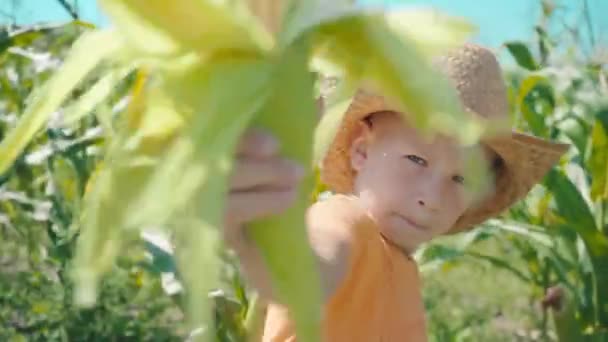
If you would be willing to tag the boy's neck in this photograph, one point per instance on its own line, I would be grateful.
(356, 199)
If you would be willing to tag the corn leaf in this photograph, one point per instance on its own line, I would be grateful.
(577, 130)
(598, 163)
(367, 49)
(522, 55)
(535, 120)
(221, 118)
(303, 17)
(94, 96)
(208, 92)
(159, 27)
(161, 257)
(567, 327)
(537, 234)
(86, 53)
(432, 31)
(101, 236)
(179, 135)
(185, 190)
(572, 207)
(290, 114)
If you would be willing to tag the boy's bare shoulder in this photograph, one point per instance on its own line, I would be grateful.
(331, 225)
(339, 211)
(332, 222)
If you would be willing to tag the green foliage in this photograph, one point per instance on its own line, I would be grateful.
(168, 155)
(522, 55)
(482, 285)
(39, 198)
(132, 307)
(559, 232)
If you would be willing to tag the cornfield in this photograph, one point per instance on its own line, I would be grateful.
(116, 145)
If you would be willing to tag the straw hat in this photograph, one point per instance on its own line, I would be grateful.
(475, 73)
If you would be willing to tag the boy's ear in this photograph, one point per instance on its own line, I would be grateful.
(360, 145)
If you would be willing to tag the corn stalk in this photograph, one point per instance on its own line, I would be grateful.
(208, 70)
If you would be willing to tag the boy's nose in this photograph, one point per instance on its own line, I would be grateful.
(430, 200)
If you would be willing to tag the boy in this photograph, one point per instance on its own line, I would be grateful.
(394, 191)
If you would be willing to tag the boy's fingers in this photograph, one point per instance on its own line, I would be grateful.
(243, 207)
(256, 143)
(272, 173)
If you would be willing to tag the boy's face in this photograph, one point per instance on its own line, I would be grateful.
(414, 187)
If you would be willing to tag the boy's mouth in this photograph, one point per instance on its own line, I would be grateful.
(411, 222)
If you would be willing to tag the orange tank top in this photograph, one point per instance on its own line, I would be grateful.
(380, 298)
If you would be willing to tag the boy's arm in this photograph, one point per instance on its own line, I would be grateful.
(263, 183)
(330, 227)
(330, 235)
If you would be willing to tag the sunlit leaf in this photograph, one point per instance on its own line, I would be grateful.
(577, 131)
(598, 161)
(527, 106)
(522, 55)
(303, 17)
(102, 236)
(194, 177)
(95, 95)
(202, 25)
(367, 49)
(208, 92)
(433, 32)
(26, 35)
(292, 94)
(87, 52)
(215, 72)
(437, 255)
(571, 204)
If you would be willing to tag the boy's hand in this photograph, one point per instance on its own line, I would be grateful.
(263, 183)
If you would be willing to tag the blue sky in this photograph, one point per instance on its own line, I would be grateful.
(498, 20)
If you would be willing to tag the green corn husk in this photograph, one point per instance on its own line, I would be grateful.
(208, 70)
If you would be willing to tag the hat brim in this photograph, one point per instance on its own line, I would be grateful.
(526, 161)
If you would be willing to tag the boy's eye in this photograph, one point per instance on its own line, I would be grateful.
(416, 159)
(458, 179)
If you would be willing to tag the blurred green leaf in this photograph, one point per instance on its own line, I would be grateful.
(94, 96)
(27, 35)
(162, 259)
(598, 161)
(152, 26)
(292, 92)
(573, 208)
(433, 32)
(522, 55)
(567, 326)
(304, 17)
(576, 130)
(527, 102)
(544, 44)
(90, 49)
(441, 254)
(367, 49)
(530, 232)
